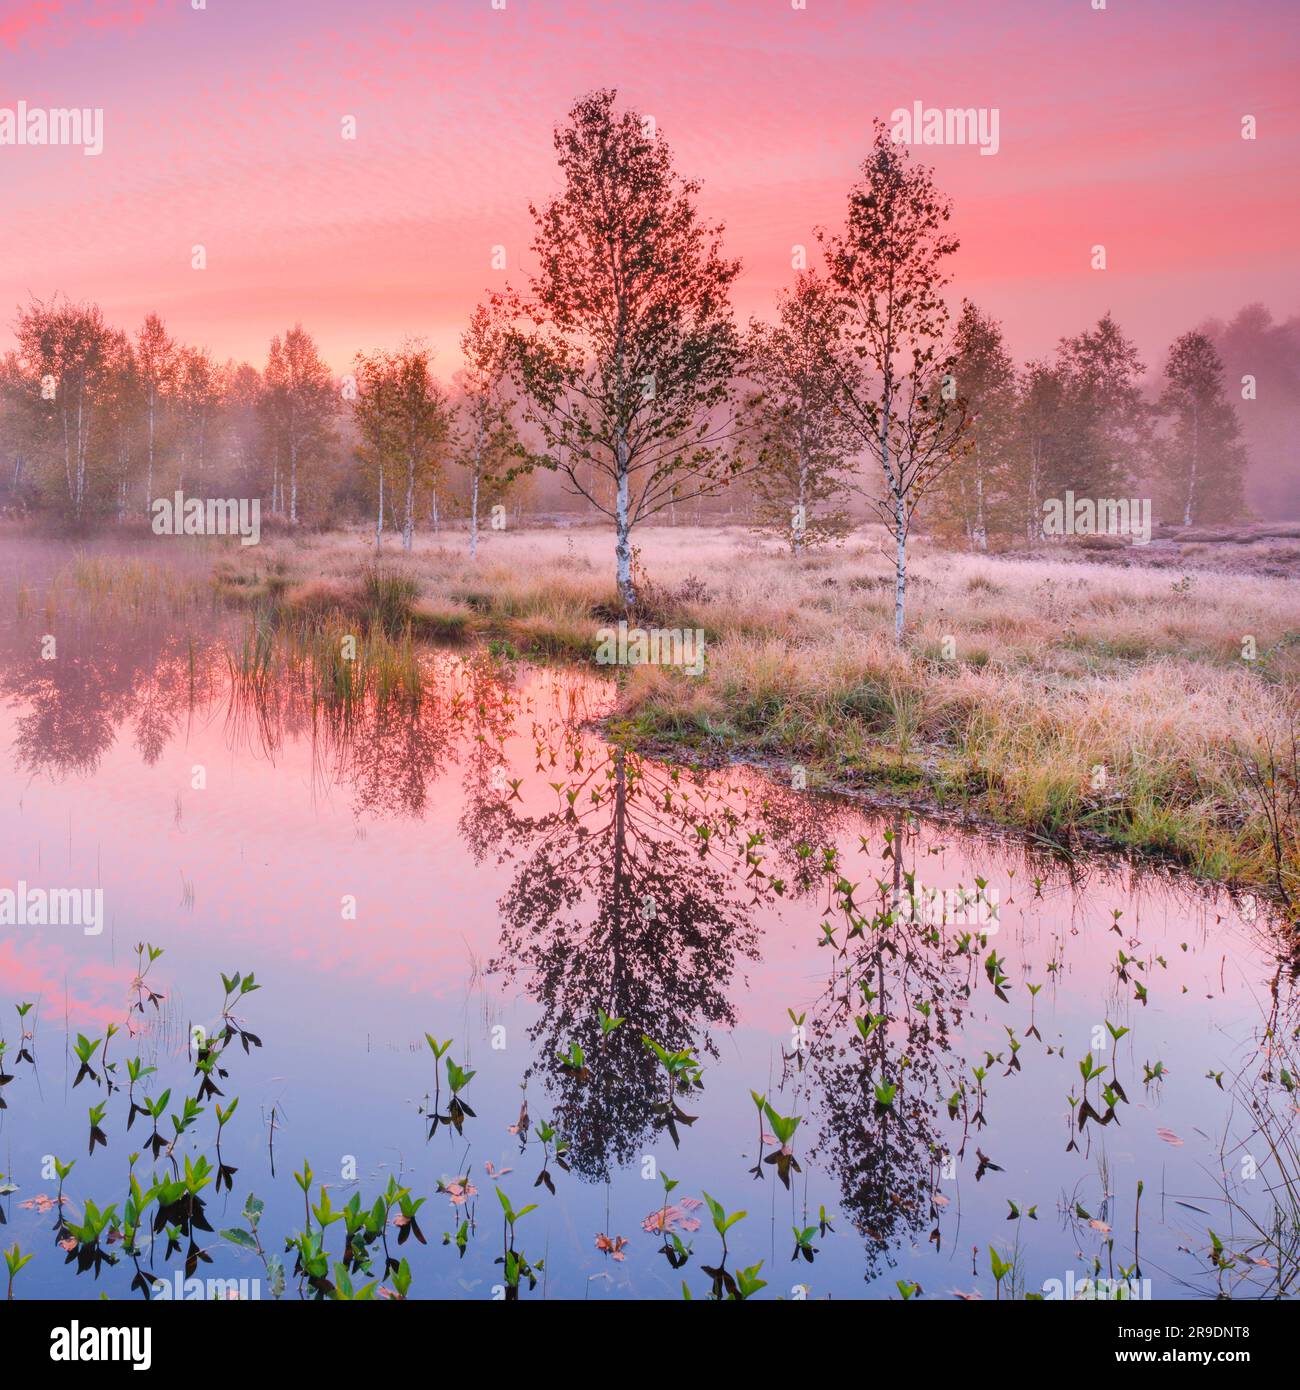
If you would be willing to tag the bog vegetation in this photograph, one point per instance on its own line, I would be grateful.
(1148, 710)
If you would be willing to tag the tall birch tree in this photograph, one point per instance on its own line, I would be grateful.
(888, 266)
(627, 361)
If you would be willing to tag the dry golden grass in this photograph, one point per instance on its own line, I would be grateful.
(1061, 667)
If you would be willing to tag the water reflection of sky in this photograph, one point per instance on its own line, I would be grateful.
(485, 912)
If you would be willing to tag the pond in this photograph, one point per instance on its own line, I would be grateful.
(501, 960)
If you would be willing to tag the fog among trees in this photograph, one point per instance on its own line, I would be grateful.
(617, 385)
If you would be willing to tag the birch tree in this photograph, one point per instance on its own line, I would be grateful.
(198, 398)
(1202, 458)
(120, 416)
(423, 423)
(1039, 442)
(241, 424)
(67, 348)
(626, 364)
(802, 441)
(489, 435)
(979, 495)
(374, 413)
(300, 404)
(1107, 434)
(156, 358)
(888, 266)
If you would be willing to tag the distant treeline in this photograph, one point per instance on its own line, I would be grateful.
(96, 422)
(775, 424)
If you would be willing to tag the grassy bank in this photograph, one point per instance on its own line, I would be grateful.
(1063, 696)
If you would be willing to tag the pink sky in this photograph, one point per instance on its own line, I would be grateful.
(222, 127)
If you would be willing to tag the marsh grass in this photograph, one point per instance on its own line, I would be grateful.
(1064, 696)
(1262, 1256)
(105, 584)
(387, 597)
(339, 666)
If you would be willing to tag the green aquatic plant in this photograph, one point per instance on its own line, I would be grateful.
(84, 1048)
(457, 1110)
(1014, 1044)
(406, 1222)
(458, 1078)
(551, 1137)
(97, 1135)
(225, 1173)
(684, 1074)
(363, 1226)
(515, 1263)
(723, 1280)
(1001, 1268)
(311, 1262)
(91, 1235)
(574, 1063)
(391, 1197)
(608, 1024)
(1116, 1031)
(248, 1237)
(61, 1171)
(439, 1051)
(993, 969)
(759, 1103)
(143, 993)
(783, 1126)
(344, 1290)
(109, 1068)
(136, 1071)
(324, 1211)
(1090, 1070)
(803, 1243)
(674, 1249)
(190, 1111)
(155, 1109)
(134, 1210)
(24, 1037)
(303, 1180)
(14, 1262)
(401, 1282)
(868, 1025)
(181, 1210)
(237, 988)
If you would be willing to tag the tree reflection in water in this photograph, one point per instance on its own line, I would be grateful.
(624, 899)
(893, 1002)
(635, 889)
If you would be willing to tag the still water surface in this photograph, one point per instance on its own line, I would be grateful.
(485, 867)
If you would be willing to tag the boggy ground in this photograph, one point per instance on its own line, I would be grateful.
(1074, 697)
